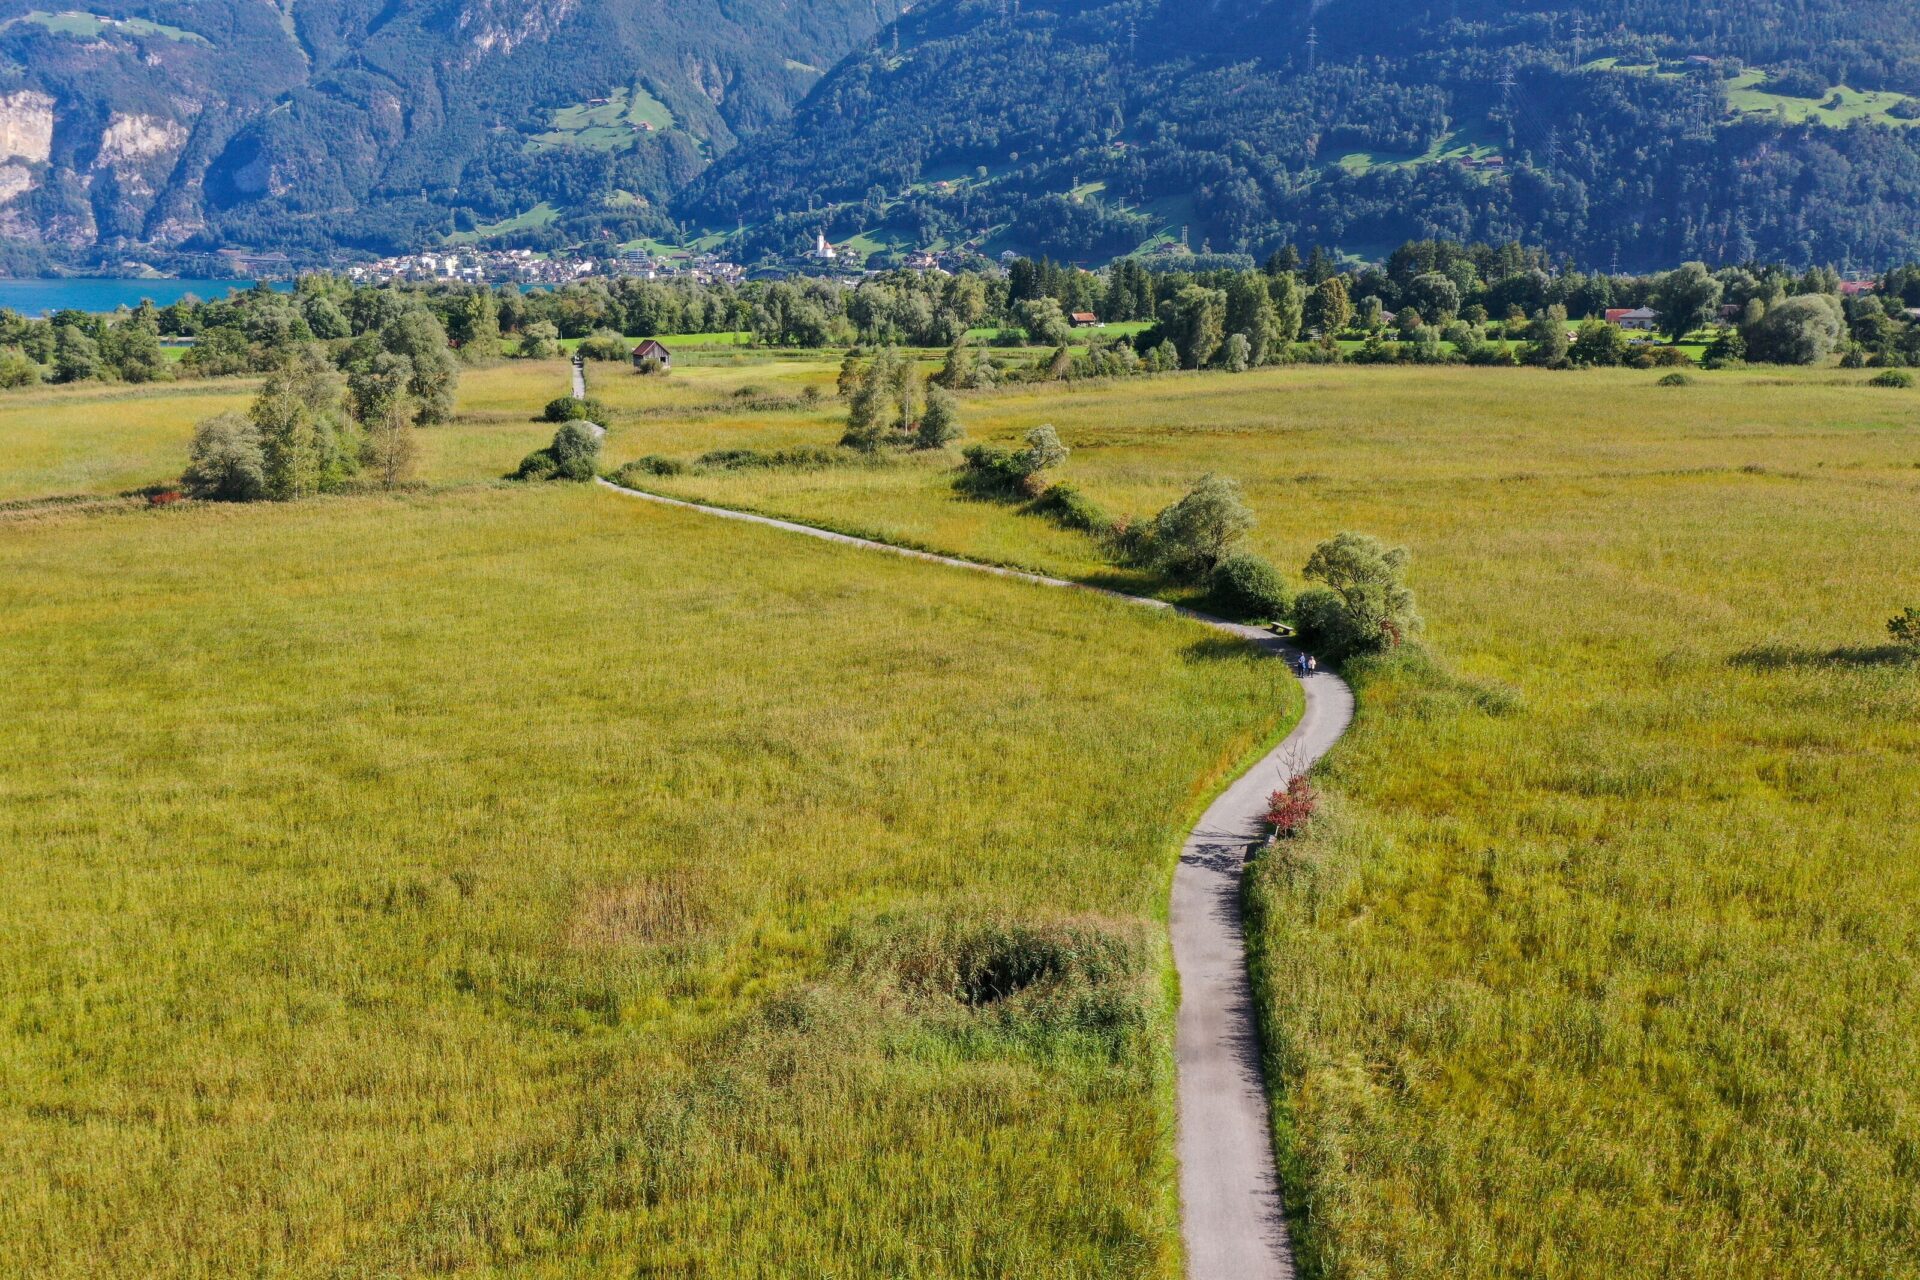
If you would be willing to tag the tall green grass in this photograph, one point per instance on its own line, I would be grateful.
(536, 883)
(1603, 961)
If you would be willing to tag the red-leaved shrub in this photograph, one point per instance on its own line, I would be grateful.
(165, 497)
(1291, 808)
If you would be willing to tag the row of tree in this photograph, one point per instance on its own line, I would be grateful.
(1497, 294)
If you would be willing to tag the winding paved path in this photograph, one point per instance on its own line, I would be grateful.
(1231, 1214)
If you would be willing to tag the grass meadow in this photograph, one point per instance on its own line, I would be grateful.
(97, 440)
(1604, 959)
(531, 882)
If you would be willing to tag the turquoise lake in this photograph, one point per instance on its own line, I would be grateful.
(41, 297)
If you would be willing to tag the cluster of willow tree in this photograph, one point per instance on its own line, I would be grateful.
(330, 416)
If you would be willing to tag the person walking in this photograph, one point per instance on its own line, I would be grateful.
(1313, 664)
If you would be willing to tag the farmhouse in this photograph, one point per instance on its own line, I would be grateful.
(1084, 319)
(653, 350)
(1640, 319)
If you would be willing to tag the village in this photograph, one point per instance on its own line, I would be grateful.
(464, 265)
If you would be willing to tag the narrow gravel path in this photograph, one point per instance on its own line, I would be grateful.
(1232, 1218)
(579, 378)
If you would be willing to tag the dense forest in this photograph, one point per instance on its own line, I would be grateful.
(1618, 132)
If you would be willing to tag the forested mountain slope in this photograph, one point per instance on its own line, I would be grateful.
(1634, 133)
(1639, 132)
(378, 123)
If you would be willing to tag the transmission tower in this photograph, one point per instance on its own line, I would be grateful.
(1313, 44)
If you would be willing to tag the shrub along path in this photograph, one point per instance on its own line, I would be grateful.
(1232, 1218)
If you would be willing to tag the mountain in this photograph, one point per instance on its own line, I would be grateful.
(1636, 132)
(384, 123)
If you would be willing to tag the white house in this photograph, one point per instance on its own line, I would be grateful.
(1638, 319)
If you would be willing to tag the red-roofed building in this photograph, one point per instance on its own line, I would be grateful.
(1641, 319)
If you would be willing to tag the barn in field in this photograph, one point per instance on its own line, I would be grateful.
(652, 350)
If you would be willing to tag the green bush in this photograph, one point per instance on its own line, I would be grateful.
(574, 455)
(226, 461)
(1071, 509)
(994, 469)
(568, 409)
(1898, 378)
(800, 458)
(1323, 622)
(1250, 586)
(1202, 529)
(1675, 380)
(1905, 628)
(652, 465)
(604, 344)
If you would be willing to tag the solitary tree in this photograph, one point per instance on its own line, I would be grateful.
(940, 423)
(1328, 309)
(882, 401)
(1800, 330)
(1365, 605)
(298, 416)
(1547, 338)
(1196, 533)
(1686, 298)
(390, 449)
(1195, 320)
(416, 335)
(1044, 451)
(225, 462)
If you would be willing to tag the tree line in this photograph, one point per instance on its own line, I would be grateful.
(1430, 300)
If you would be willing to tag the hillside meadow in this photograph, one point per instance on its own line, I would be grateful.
(531, 882)
(1603, 959)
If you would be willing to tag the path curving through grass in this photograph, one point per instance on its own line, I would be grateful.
(1233, 1220)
